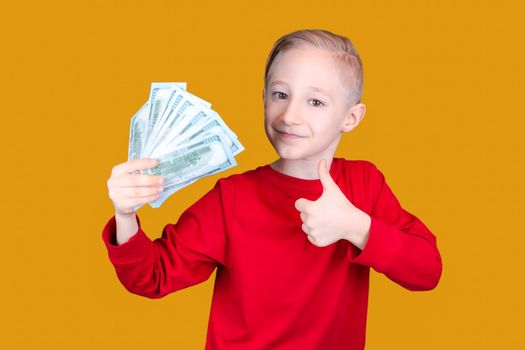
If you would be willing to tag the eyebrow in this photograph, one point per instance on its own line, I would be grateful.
(314, 88)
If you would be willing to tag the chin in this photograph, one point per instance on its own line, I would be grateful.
(290, 154)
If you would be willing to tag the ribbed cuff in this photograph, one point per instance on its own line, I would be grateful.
(130, 252)
(381, 249)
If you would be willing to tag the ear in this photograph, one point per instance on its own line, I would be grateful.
(264, 95)
(353, 117)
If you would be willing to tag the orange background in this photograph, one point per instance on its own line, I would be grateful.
(444, 87)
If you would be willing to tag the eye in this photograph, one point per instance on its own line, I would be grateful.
(317, 103)
(278, 93)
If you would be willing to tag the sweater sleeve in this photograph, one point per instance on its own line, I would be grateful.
(399, 245)
(186, 254)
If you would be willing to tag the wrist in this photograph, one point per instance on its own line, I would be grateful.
(124, 216)
(365, 232)
(358, 230)
(127, 227)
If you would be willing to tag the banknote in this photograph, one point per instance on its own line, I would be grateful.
(137, 130)
(185, 134)
(194, 159)
(158, 101)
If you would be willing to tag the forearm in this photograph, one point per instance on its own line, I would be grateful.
(136, 257)
(127, 227)
(408, 257)
(155, 268)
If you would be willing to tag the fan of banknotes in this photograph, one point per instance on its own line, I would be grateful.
(189, 139)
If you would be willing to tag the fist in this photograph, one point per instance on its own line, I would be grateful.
(332, 216)
(127, 187)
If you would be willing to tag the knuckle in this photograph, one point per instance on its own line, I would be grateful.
(151, 191)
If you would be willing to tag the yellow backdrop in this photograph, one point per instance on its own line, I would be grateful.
(444, 87)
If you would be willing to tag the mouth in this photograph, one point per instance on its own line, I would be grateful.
(288, 136)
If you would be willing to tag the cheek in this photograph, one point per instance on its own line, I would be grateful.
(270, 117)
(271, 110)
(325, 126)
(268, 125)
(321, 125)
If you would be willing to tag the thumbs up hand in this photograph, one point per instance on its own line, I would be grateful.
(332, 216)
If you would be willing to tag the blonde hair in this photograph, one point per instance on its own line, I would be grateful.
(340, 46)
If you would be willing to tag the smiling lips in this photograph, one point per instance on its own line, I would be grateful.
(288, 136)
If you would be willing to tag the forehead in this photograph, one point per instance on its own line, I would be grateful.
(307, 67)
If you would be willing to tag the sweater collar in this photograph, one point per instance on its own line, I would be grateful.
(294, 184)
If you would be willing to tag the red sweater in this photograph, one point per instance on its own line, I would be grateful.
(274, 289)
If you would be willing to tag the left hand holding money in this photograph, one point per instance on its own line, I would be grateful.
(332, 216)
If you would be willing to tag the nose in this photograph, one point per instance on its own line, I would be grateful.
(291, 115)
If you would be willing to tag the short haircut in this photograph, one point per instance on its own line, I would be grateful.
(340, 46)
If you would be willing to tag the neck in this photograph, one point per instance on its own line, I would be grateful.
(306, 169)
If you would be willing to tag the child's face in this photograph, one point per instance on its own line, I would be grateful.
(300, 121)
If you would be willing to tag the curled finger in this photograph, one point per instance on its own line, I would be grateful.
(305, 229)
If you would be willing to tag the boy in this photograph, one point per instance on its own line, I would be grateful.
(292, 241)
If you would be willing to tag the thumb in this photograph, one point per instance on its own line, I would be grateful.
(301, 204)
(324, 175)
